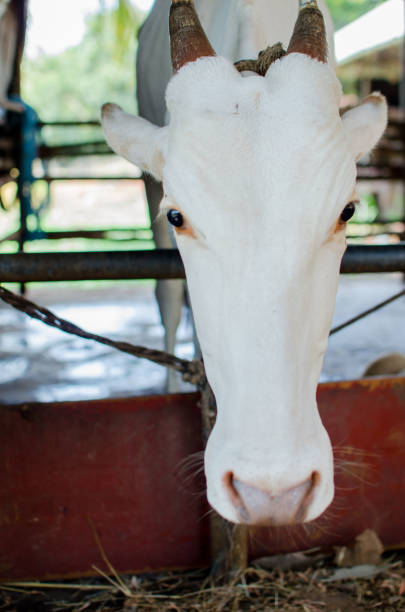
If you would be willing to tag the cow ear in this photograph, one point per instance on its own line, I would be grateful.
(366, 123)
(135, 139)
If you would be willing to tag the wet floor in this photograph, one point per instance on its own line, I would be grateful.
(42, 364)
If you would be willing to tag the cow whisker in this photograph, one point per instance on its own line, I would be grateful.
(342, 451)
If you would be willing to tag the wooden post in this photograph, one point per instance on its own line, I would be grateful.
(229, 542)
(20, 8)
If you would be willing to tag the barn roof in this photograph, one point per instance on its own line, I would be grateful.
(376, 30)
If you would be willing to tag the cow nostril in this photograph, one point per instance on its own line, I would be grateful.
(254, 505)
(234, 496)
(308, 495)
(230, 488)
(315, 478)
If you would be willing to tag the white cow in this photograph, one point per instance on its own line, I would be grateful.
(258, 176)
(237, 29)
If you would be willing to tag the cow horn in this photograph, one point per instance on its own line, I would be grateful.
(309, 36)
(188, 40)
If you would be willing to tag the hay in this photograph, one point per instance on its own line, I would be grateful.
(312, 590)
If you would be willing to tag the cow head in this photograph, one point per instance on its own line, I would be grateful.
(258, 176)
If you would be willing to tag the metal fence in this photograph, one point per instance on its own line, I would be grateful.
(161, 264)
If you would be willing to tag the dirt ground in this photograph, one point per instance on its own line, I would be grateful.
(315, 589)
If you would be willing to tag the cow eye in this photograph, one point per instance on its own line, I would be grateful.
(175, 217)
(348, 212)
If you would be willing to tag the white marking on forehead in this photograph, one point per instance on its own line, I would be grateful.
(209, 84)
(214, 85)
(284, 144)
(306, 80)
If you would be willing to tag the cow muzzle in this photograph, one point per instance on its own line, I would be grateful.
(255, 506)
(272, 485)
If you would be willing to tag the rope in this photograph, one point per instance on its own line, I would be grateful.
(264, 60)
(191, 371)
(367, 312)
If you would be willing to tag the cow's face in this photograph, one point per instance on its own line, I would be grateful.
(261, 173)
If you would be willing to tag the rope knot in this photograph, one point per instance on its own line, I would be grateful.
(194, 373)
(264, 60)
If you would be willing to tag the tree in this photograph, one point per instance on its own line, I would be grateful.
(74, 84)
(346, 11)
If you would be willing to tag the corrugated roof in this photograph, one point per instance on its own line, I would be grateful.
(376, 29)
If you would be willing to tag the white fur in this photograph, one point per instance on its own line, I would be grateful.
(237, 29)
(365, 124)
(135, 138)
(261, 169)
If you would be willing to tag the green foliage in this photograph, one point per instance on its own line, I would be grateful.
(74, 84)
(345, 11)
(125, 22)
(367, 210)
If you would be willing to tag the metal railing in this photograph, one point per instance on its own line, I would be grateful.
(161, 264)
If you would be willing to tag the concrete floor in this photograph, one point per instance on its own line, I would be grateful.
(42, 364)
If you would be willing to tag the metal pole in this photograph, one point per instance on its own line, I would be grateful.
(361, 259)
(44, 267)
(402, 74)
(161, 264)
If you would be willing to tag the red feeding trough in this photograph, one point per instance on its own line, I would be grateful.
(110, 471)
